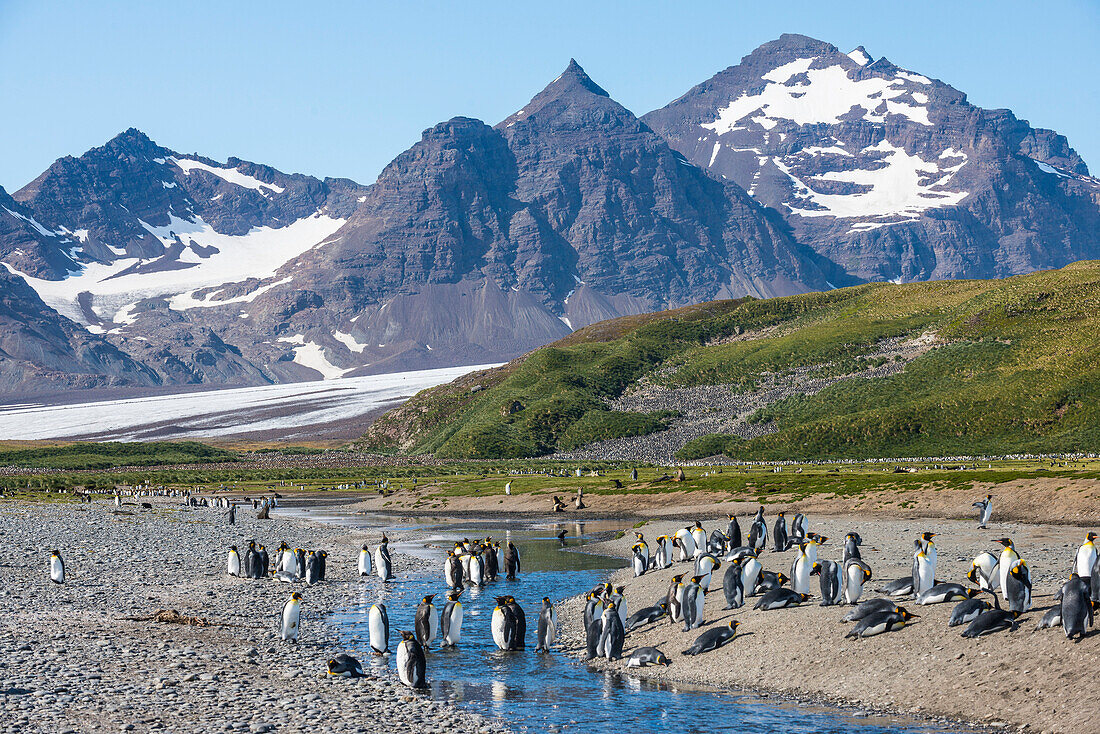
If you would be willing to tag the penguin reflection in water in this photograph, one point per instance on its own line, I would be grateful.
(410, 661)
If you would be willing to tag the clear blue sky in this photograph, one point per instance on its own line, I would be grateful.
(340, 88)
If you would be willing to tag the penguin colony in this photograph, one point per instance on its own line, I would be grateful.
(998, 595)
(469, 563)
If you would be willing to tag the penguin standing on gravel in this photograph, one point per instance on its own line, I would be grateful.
(290, 618)
(831, 582)
(705, 565)
(265, 562)
(758, 532)
(985, 510)
(699, 537)
(410, 661)
(733, 532)
(511, 562)
(983, 571)
(547, 628)
(779, 533)
(234, 563)
(639, 562)
(801, 570)
(1009, 557)
(382, 559)
(57, 567)
(1086, 557)
(1018, 588)
(379, 626)
(366, 568)
(856, 574)
(732, 587)
(852, 542)
(692, 604)
(674, 598)
(1077, 612)
(612, 636)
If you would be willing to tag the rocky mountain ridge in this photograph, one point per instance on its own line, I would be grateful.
(801, 169)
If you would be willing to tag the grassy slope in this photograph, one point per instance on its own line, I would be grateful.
(1018, 374)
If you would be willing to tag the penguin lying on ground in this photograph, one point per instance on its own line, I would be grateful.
(781, 599)
(645, 616)
(869, 607)
(713, 639)
(644, 656)
(1052, 618)
(946, 592)
(899, 587)
(769, 581)
(345, 666)
(878, 623)
(968, 610)
(993, 620)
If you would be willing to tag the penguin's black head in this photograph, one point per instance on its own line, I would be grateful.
(782, 578)
(696, 579)
(678, 577)
(232, 548)
(428, 599)
(407, 636)
(365, 547)
(296, 596)
(971, 593)
(1090, 537)
(734, 624)
(1017, 569)
(815, 570)
(972, 575)
(662, 659)
(906, 614)
(546, 600)
(501, 600)
(1006, 542)
(929, 536)
(782, 513)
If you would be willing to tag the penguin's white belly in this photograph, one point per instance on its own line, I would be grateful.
(57, 570)
(1086, 558)
(475, 573)
(454, 631)
(700, 539)
(750, 572)
(378, 640)
(291, 616)
(854, 586)
(878, 629)
(433, 626)
(1008, 560)
(403, 664)
(926, 575)
(234, 565)
(364, 564)
(801, 581)
(551, 632)
(497, 627)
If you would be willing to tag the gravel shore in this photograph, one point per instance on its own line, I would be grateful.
(1022, 680)
(71, 661)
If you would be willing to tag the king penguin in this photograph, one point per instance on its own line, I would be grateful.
(856, 574)
(733, 532)
(379, 624)
(234, 565)
(779, 533)
(732, 587)
(1086, 557)
(382, 559)
(692, 604)
(1008, 559)
(674, 598)
(983, 571)
(503, 625)
(612, 636)
(451, 622)
(750, 573)
(426, 621)
(1018, 588)
(547, 627)
(365, 565)
(699, 537)
(57, 568)
(801, 569)
(511, 562)
(831, 582)
(705, 565)
(291, 616)
(684, 541)
(985, 510)
(1076, 608)
(410, 661)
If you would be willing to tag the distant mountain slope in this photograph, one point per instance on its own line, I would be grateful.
(890, 174)
(475, 245)
(880, 370)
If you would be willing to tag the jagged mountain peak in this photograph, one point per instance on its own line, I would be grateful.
(570, 91)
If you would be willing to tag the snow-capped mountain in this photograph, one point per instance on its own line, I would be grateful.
(888, 173)
(802, 168)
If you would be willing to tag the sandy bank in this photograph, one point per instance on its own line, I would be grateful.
(1036, 680)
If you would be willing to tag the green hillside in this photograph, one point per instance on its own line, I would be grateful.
(1014, 369)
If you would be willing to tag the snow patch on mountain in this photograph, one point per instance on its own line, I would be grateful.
(232, 175)
(187, 300)
(900, 185)
(350, 342)
(312, 355)
(259, 253)
(828, 94)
